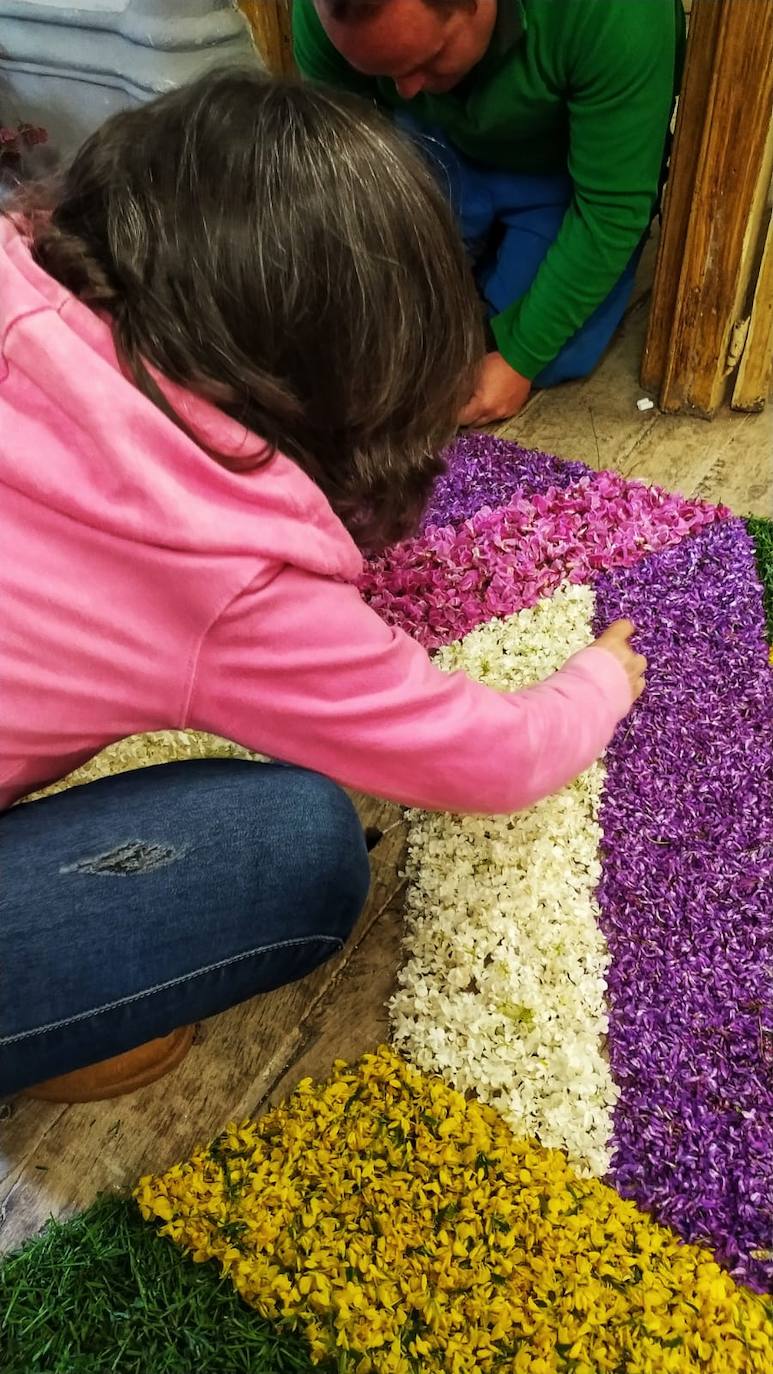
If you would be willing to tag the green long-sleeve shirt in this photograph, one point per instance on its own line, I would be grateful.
(580, 85)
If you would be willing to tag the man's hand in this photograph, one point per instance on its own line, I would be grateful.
(499, 392)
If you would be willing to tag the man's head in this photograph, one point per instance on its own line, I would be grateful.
(423, 45)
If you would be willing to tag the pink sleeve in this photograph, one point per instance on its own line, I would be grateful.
(301, 669)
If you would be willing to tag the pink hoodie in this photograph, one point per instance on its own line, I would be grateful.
(146, 587)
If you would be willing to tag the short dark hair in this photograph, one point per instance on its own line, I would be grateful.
(280, 250)
(351, 10)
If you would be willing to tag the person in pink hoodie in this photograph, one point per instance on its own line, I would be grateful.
(232, 344)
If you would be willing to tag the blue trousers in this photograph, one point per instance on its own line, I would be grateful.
(152, 899)
(508, 222)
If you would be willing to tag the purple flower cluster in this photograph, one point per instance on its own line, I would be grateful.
(450, 579)
(686, 895)
(483, 471)
(687, 899)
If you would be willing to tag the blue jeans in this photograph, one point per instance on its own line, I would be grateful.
(508, 222)
(152, 899)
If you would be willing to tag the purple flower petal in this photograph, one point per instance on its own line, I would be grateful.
(687, 900)
(483, 471)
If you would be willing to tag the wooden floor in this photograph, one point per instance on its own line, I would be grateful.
(54, 1160)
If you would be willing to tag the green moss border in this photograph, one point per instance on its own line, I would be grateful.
(761, 531)
(104, 1292)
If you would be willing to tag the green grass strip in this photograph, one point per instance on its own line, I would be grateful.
(761, 531)
(105, 1292)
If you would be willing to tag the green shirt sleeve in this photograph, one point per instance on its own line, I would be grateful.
(317, 59)
(616, 61)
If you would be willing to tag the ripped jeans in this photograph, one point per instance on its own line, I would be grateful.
(152, 899)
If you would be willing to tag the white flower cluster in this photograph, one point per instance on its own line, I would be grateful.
(503, 989)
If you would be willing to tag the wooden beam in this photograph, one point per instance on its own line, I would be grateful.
(720, 170)
(679, 192)
(272, 32)
(754, 379)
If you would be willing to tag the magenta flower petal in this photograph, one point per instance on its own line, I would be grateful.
(450, 578)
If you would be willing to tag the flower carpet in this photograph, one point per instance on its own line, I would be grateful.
(564, 1160)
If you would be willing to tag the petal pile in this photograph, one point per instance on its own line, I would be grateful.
(504, 980)
(590, 979)
(401, 1227)
(686, 900)
(483, 471)
(443, 583)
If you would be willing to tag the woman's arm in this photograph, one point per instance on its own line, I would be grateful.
(301, 669)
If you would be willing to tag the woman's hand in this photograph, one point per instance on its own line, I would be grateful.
(616, 640)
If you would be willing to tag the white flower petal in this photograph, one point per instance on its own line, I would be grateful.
(503, 988)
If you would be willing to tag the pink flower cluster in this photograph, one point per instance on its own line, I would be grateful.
(448, 580)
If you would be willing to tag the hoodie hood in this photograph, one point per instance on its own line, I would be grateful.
(76, 436)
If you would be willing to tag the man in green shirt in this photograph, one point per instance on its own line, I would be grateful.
(548, 120)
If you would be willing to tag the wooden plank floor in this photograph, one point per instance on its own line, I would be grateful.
(55, 1159)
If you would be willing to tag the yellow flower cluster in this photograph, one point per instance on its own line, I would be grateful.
(403, 1228)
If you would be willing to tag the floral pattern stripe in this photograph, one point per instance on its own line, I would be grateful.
(590, 979)
(685, 900)
(403, 1228)
(504, 980)
(443, 583)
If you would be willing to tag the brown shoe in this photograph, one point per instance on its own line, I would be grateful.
(124, 1073)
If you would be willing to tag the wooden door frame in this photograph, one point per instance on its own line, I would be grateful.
(271, 26)
(715, 208)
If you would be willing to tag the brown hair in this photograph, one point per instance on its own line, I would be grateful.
(281, 251)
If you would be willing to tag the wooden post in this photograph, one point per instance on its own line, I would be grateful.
(272, 32)
(755, 373)
(714, 206)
